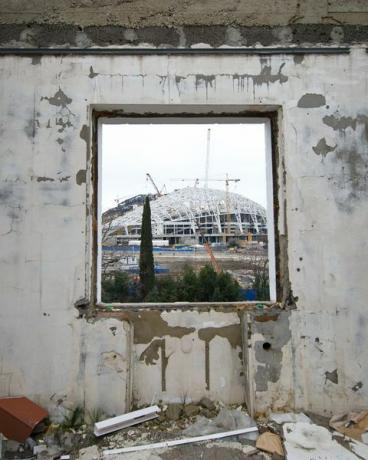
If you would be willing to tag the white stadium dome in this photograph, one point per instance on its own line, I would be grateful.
(193, 212)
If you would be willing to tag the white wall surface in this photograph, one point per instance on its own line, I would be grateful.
(45, 241)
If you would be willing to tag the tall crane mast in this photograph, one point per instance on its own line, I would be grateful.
(149, 177)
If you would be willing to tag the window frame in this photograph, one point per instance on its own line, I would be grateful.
(140, 114)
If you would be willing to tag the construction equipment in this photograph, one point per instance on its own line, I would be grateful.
(149, 177)
(208, 248)
(214, 262)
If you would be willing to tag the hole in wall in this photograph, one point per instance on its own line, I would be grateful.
(266, 346)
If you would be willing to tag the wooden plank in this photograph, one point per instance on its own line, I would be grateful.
(176, 442)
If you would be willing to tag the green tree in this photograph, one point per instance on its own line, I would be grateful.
(207, 282)
(115, 287)
(227, 289)
(188, 285)
(165, 290)
(146, 263)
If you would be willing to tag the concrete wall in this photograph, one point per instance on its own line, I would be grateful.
(169, 23)
(45, 229)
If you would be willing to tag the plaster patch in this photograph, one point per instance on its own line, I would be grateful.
(113, 360)
(338, 123)
(150, 324)
(150, 355)
(80, 177)
(357, 386)
(269, 359)
(311, 101)
(59, 99)
(45, 179)
(92, 73)
(322, 148)
(232, 333)
(332, 376)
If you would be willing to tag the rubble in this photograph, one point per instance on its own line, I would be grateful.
(270, 442)
(174, 411)
(289, 417)
(230, 435)
(306, 441)
(123, 421)
(354, 425)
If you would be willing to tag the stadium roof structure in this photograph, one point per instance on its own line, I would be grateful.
(195, 207)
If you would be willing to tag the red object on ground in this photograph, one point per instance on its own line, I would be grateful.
(18, 417)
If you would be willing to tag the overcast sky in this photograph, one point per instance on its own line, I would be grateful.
(174, 151)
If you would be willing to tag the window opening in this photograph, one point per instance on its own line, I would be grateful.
(209, 190)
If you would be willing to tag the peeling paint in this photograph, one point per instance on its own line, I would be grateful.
(92, 74)
(63, 124)
(322, 148)
(81, 176)
(264, 77)
(311, 101)
(84, 134)
(31, 127)
(269, 359)
(150, 324)
(150, 355)
(59, 99)
(332, 376)
(357, 386)
(338, 123)
(232, 333)
(45, 179)
(113, 360)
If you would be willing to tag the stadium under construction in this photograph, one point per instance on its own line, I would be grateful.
(190, 215)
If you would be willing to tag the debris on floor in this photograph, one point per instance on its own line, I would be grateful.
(270, 442)
(354, 425)
(123, 421)
(19, 417)
(307, 441)
(281, 418)
(177, 442)
(204, 430)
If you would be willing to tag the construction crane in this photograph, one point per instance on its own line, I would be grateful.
(149, 177)
(227, 181)
(208, 248)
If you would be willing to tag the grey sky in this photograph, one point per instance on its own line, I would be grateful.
(179, 151)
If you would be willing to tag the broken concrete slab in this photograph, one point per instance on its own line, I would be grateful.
(225, 420)
(89, 453)
(191, 409)
(174, 411)
(270, 442)
(306, 441)
(289, 417)
(353, 424)
(207, 403)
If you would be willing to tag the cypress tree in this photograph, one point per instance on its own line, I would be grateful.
(146, 263)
